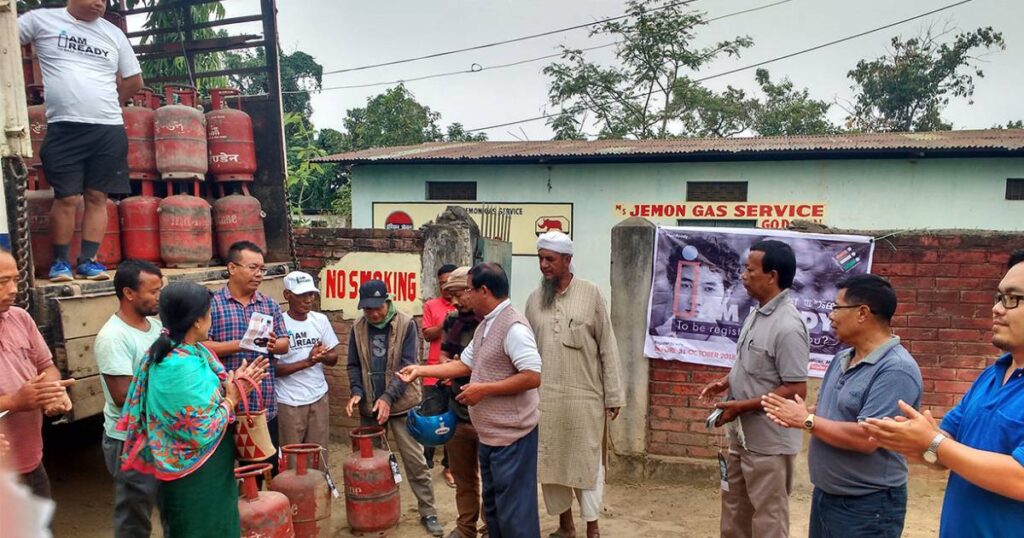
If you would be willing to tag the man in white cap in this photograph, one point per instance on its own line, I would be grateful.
(300, 384)
(580, 389)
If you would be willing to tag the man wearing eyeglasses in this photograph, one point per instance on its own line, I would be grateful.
(860, 490)
(981, 440)
(231, 308)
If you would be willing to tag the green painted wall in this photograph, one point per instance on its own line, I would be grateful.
(860, 195)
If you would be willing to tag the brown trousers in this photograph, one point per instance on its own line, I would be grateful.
(305, 424)
(464, 462)
(757, 503)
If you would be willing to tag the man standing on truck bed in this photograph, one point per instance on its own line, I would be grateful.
(89, 69)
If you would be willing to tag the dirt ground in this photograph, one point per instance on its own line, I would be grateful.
(84, 495)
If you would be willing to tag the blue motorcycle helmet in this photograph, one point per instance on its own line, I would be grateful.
(431, 430)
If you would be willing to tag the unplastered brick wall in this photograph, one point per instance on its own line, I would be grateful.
(317, 248)
(945, 283)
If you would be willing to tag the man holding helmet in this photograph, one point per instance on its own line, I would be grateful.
(382, 342)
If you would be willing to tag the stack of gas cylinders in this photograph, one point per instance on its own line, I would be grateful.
(174, 217)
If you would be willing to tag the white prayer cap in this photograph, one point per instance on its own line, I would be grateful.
(556, 242)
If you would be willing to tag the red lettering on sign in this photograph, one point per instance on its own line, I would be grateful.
(330, 292)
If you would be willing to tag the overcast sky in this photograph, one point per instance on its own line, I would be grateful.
(343, 34)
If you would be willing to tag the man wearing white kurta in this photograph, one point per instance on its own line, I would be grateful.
(580, 388)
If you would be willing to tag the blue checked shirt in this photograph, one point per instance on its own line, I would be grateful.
(230, 320)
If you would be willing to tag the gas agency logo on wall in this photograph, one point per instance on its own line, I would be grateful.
(774, 215)
(339, 283)
(516, 222)
(398, 220)
(552, 224)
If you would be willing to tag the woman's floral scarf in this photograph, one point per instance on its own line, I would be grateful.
(174, 415)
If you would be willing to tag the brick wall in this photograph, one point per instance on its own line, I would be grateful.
(944, 282)
(317, 248)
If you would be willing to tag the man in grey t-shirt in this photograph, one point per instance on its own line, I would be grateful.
(859, 488)
(771, 356)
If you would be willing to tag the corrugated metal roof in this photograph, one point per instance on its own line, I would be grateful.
(986, 142)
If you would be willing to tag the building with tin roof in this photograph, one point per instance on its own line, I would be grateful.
(517, 190)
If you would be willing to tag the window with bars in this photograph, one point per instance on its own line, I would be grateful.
(451, 190)
(716, 191)
(1015, 189)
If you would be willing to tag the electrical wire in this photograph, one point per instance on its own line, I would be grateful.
(746, 67)
(477, 68)
(504, 42)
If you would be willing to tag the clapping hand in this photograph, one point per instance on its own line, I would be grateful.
(785, 412)
(317, 353)
(39, 393)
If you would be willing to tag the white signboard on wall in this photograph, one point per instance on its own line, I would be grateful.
(339, 283)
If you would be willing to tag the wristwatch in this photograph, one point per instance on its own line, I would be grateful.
(932, 454)
(809, 422)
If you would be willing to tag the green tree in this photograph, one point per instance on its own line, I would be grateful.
(650, 93)
(908, 88)
(1012, 124)
(396, 118)
(174, 18)
(301, 75)
(785, 111)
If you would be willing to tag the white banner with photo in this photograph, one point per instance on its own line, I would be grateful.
(698, 302)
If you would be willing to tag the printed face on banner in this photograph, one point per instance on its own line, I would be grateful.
(698, 303)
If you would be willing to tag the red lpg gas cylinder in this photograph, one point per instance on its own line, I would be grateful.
(371, 495)
(186, 231)
(179, 132)
(263, 514)
(36, 132)
(109, 253)
(140, 226)
(307, 489)
(238, 218)
(230, 139)
(138, 123)
(40, 202)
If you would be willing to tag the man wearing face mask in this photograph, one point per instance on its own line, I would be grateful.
(381, 343)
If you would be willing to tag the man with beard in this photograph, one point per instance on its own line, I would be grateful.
(120, 346)
(981, 440)
(580, 387)
(457, 333)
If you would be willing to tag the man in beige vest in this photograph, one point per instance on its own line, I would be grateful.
(582, 387)
(381, 342)
(504, 368)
